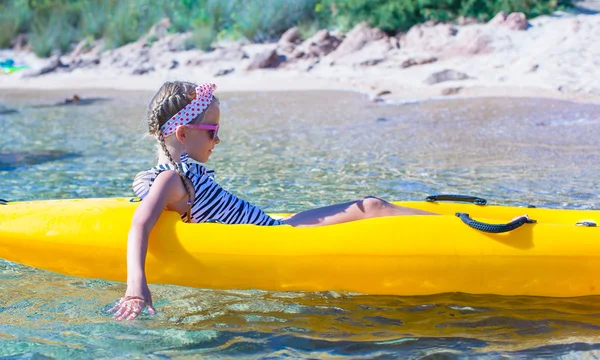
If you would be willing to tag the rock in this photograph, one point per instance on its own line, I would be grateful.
(142, 69)
(266, 59)
(358, 38)
(371, 54)
(471, 41)
(286, 47)
(383, 92)
(292, 35)
(432, 38)
(53, 64)
(84, 61)
(514, 21)
(224, 72)
(394, 42)
(451, 91)
(320, 44)
(445, 75)
(412, 62)
(6, 111)
(10, 160)
(533, 68)
(174, 64)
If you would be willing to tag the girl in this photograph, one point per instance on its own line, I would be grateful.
(184, 118)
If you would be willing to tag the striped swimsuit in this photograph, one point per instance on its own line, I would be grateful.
(212, 202)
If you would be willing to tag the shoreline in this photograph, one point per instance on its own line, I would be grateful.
(281, 80)
(552, 57)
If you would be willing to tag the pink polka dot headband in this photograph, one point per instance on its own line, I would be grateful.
(204, 97)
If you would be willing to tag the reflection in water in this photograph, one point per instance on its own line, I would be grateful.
(288, 152)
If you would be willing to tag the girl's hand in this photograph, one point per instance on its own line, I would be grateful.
(130, 306)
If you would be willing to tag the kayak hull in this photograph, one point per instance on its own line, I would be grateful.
(405, 255)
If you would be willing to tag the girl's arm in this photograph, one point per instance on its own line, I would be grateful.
(166, 189)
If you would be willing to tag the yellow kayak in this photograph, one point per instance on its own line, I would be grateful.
(559, 255)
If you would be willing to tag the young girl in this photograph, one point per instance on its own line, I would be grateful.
(184, 118)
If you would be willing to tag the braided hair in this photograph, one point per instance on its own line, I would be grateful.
(168, 101)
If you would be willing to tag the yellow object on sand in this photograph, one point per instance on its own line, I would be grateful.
(404, 255)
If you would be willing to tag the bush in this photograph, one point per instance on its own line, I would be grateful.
(131, 19)
(399, 15)
(53, 25)
(14, 17)
(52, 35)
(260, 20)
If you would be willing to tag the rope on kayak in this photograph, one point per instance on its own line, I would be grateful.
(3, 202)
(454, 197)
(494, 228)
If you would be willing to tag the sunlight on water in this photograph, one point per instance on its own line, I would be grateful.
(288, 152)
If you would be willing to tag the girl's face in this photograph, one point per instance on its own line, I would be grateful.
(199, 143)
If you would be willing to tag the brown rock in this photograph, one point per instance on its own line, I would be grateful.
(292, 35)
(266, 59)
(445, 75)
(320, 44)
(357, 38)
(429, 38)
(412, 62)
(471, 41)
(514, 21)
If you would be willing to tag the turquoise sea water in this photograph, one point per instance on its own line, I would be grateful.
(288, 152)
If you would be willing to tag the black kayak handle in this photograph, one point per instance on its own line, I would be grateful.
(452, 197)
(494, 228)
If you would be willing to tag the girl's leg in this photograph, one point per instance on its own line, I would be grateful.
(366, 208)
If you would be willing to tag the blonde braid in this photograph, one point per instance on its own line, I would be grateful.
(161, 110)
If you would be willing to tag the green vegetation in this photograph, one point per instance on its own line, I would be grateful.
(55, 26)
(399, 15)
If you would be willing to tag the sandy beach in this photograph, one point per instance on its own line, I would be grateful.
(555, 56)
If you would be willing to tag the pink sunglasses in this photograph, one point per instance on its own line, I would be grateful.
(213, 130)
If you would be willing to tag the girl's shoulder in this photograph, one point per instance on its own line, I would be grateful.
(144, 179)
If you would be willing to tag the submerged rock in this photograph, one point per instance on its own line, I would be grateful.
(445, 75)
(6, 111)
(74, 100)
(10, 160)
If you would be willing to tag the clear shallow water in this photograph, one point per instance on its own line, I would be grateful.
(288, 152)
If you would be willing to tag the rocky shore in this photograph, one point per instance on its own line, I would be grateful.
(555, 56)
